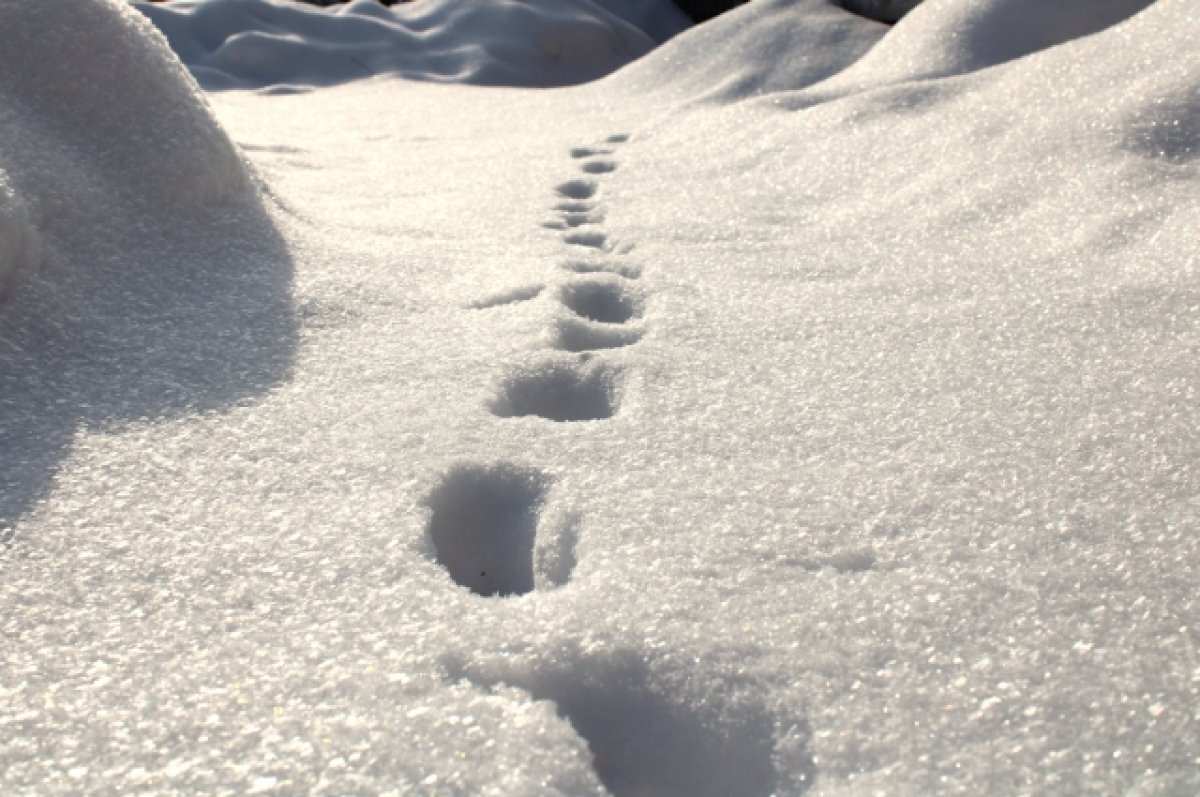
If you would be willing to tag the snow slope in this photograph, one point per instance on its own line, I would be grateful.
(117, 124)
(256, 43)
(805, 433)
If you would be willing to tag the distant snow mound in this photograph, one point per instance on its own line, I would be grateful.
(940, 38)
(98, 116)
(658, 19)
(260, 43)
(757, 48)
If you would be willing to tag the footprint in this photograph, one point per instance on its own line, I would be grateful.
(579, 219)
(485, 529)
(576, 334)
(560, 390)
(601, 297)
(511, 296)
(570, 221)
(619, 138)
(575, 206)
(653, 735)
(593, 239)
(577, 189)
(599, 167)
(589, 152)
(626, 270)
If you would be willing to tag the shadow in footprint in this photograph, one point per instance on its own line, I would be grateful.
(575, 206)
(618, 138)
(486, 526)
(651, 735)
(589, 152)
(599, 167)
(604, 298)
(576, 334)
(511, 296)
(560, 390)
(578, 189)
(580, 219)
(592, 239)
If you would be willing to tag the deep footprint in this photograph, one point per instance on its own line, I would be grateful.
(560, 390)
(591, 239)
(599, 167)
(601, 297)
(576, 334)
(649, 738)
(484, 526)
(575, 206)
(578, 189)
(580, 219)
(589, 152)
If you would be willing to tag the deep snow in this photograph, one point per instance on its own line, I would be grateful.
(752, 421)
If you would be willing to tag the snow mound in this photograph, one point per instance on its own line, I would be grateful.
(756, 48)
(260, 43)
(658, 19)
(940, 38)
(110, 121)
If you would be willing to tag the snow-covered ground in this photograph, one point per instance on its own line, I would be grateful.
(807, 407)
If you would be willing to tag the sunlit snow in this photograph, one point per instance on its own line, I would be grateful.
(800, 405)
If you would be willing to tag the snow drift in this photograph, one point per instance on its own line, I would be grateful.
(257, 43)
(101, 122)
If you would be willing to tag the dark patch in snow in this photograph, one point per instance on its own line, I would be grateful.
(601, 298)
(650, 735)
(578, 189)
(580, 219)
(484, 526)
(589, 152)
(575, 206)
(599, 167)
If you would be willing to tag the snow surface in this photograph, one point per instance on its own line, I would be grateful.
(790, 433)
(256, 43)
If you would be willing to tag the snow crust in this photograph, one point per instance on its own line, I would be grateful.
(775, 424)
(258, 43)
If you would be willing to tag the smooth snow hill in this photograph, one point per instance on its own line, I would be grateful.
(257, 43)
(808, 422)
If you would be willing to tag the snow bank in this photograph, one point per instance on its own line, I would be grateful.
(100, 121)
(258, 43)
(756, 48)
(947, 37)
(658, 19)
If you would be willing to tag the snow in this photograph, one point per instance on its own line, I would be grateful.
(754, 420)
(257, 43)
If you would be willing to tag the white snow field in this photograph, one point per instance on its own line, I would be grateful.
(807, 407)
